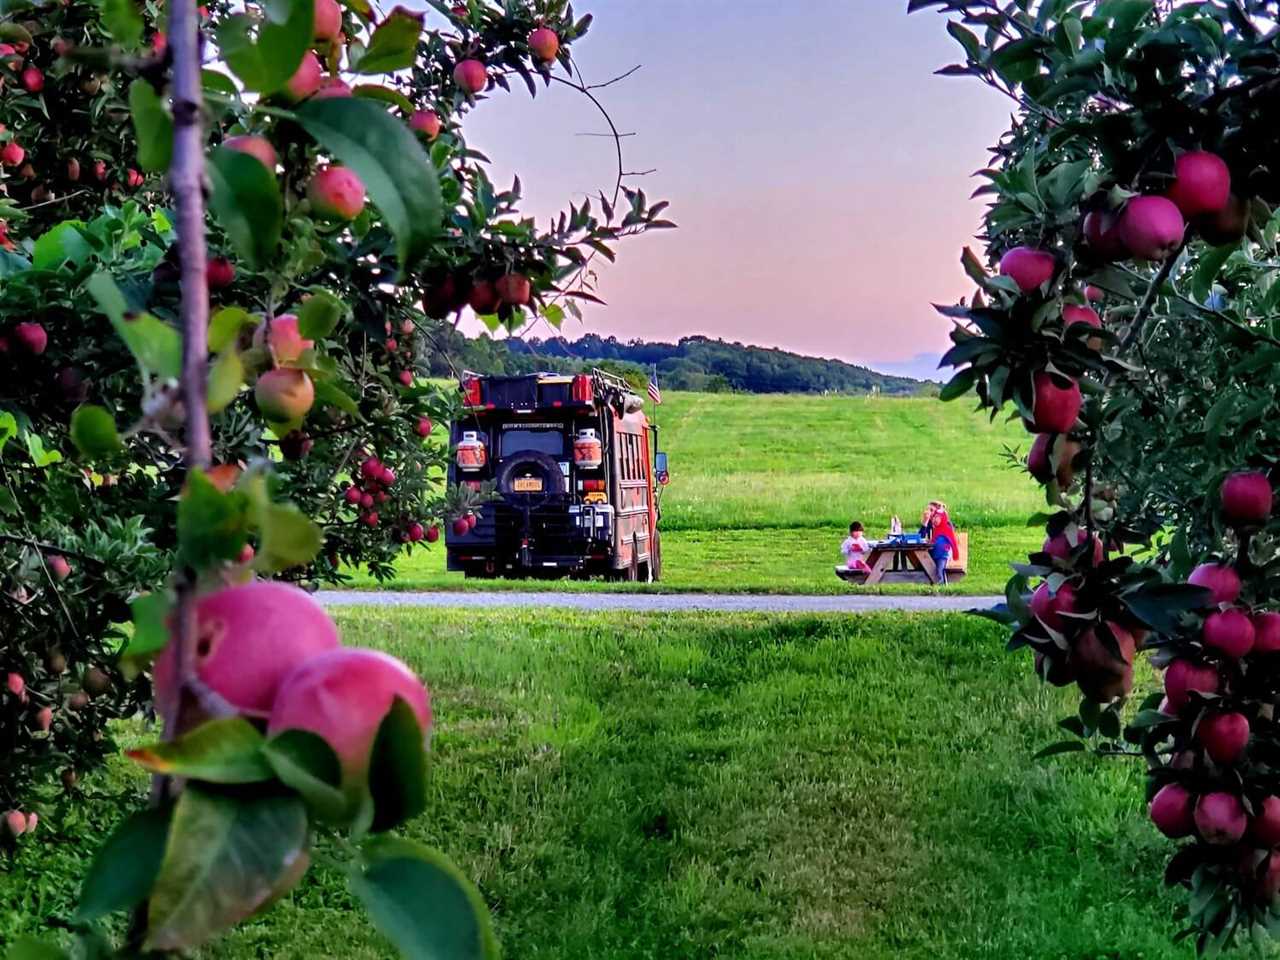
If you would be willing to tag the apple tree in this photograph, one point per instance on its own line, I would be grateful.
(1126, 311)
(231, 239)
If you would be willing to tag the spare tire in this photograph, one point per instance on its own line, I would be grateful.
(530, 465)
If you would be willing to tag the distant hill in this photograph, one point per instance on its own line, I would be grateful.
(694, 363)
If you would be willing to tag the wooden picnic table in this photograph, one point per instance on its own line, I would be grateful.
(896, 561)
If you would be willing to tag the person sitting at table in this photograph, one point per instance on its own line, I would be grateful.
(855, 549)
(935, 526)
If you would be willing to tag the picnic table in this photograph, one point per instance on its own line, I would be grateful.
(906, 561)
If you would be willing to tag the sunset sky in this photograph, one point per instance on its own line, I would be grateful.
(818, 170)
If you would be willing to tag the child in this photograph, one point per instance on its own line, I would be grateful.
(855, 548)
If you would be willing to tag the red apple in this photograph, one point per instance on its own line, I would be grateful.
(433, 533)
(1054, 407)
(254, 146)
(328, 23)
(32, 80)
(336, 193)
(1049, 607)
(250, 638)
(1220, 818)
(471, 76)
(284, 394)
(1152, 228)
(1264, 828)
(461, 526)
(424, 426)
(1230, 631)
(1063, 546)
(1093, 294)
(484, 298)
(1202, 183)
(58, 566)
(425, 122)
(220, 273)
(513, 288)
(1224, 736)
(1029, 268)
(1073, 314)
(1229, 225)
(1220, 580)
(1266, 632)
(1102, 234)
(11, 154)
(333, 87)
(343, 697)
(31, 337)
(1172, 810)
(1101, 676)
(544, 44)
(306, 79)
(286, 343)
(1184, 677)
(416, 532)
(1246, 498)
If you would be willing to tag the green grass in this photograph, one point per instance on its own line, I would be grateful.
(754, 787)
(737, 561)
(764, 487)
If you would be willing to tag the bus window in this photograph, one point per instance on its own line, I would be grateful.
(550, 442)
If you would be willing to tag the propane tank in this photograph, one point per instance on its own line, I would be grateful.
(472, 454)
(588, 454)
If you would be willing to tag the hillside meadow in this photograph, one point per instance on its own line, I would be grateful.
(763, 487)
(744, 786)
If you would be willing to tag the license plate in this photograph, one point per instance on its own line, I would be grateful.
(527, 485)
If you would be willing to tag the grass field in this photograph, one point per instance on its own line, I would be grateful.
(749, 787)
(764, 487)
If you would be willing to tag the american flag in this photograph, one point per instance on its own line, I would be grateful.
(654, 393)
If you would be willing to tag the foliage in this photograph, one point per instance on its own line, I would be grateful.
(1117, 103)
(347, 225)
(694, 363)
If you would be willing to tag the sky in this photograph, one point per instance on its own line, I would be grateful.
(817, 168)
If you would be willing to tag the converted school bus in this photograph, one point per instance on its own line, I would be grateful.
(574, 462)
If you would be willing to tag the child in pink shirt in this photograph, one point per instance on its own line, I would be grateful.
(855, 549)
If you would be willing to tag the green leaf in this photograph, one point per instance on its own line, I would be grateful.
(124, 870)
(156, 345)
(287, 538)
(393, 44)
(225, 327)
(150, 624)
(319, 314)
(227, 858)
(959, 385)
(63, 243)
(225, 379)
(93, 431)
(212, 526)
(39, 455)
(420, 901)
(330, 394)
(387, 157)
(226, 750)
(246, 200)
(305, 762)
(266, 65)
(372, 91)
(123, 21)
(154, 127)
(1211, 264)
(398, 768)
(215, 82)
(1066, 746)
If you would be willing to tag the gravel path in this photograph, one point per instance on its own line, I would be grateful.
(855, 603)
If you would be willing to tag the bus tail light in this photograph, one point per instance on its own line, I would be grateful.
(471, 392)
(583, 389)
(592, 486)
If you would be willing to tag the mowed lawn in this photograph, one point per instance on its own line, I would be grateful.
(764, 487)
(747, 786)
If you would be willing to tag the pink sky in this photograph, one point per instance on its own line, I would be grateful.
(818, 170)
